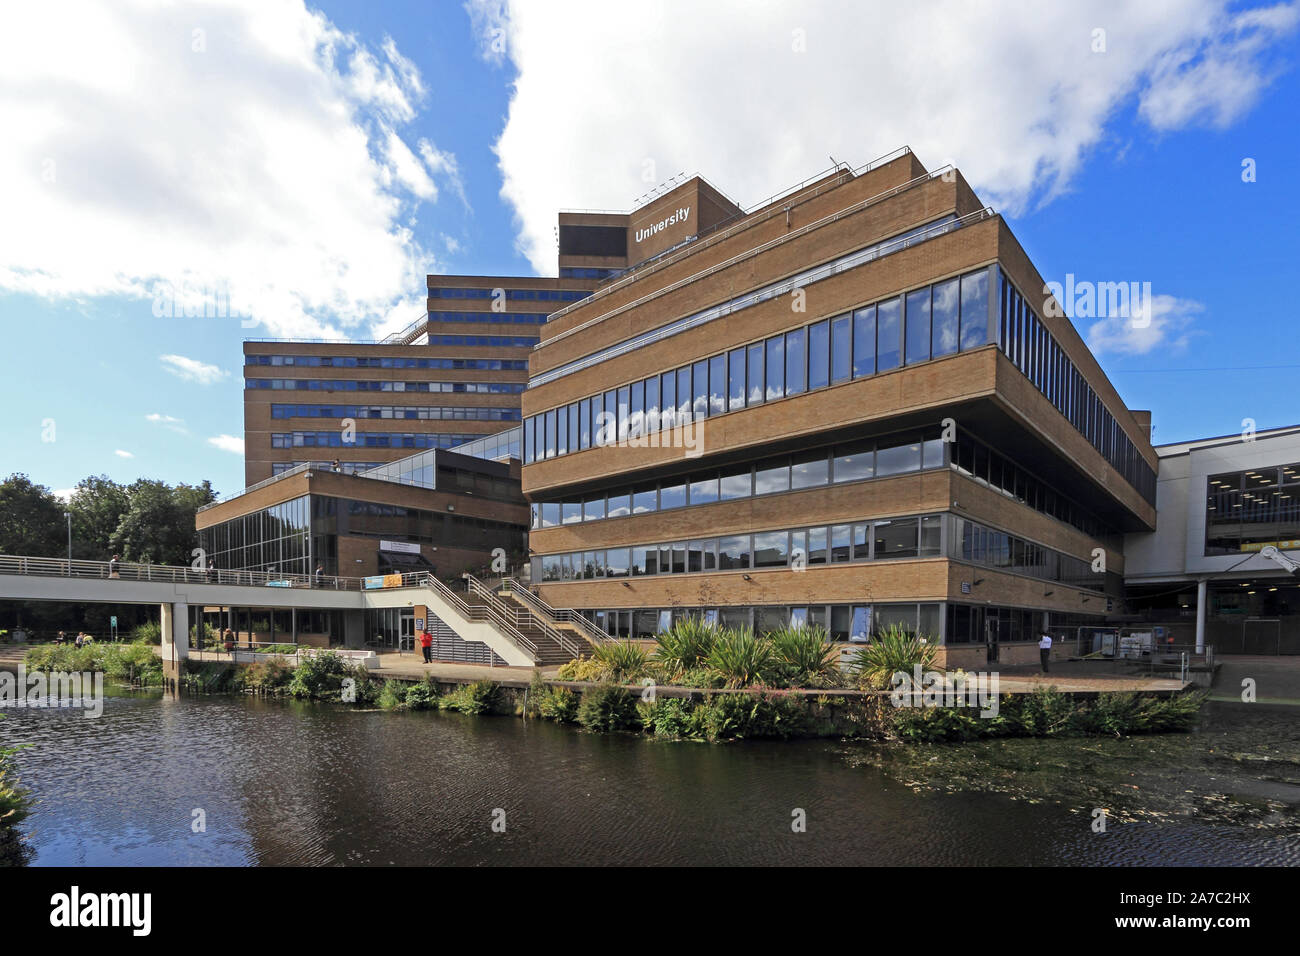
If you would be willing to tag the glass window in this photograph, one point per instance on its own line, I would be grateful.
(775, 367)
(672, 496)
(620, 504)
(736, 379)
(841, 348)
(895, 459)
(562, 430)
(887, 334)
(810, 471)
(841, 543)
(932, 453)
(608, 429)
(817, 550)
(679, 558)
(771, 549)
(684, 401)
(636, 413)
(584, 423)
(864, 342)
(704, 490)
(860, 629)
(944, 312)
(855, 462)
(645, 560)
(974, 309)
(644, 500)
(819, 355)
(772, 476)
(736, 484)
(593, 509)
(668, 392)
(896, 538)
(918, 326)
(862, 541)
(550, 514)
(757, 363)
(550, 434)
(652, 404)
(796, 372)
(931, 526)
(733, 553)
(624, 407)
(617, 562)
(572, 511)
(700, 401)
(717, 385)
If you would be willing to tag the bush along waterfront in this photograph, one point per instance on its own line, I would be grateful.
(134, 664)
(15, 806)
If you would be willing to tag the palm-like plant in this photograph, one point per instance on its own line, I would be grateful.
(741, 657)
(892, 650)
(804, 657)
(622, 661)
(685, 646)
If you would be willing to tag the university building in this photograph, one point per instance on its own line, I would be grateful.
(852, 405)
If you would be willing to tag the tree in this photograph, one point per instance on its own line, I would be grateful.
(97, 507)
(31, 518)
(158, 525)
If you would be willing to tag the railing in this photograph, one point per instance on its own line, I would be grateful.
(521, 617)
(167, 573)
(849, 260)
(590, 631)
(472, 612)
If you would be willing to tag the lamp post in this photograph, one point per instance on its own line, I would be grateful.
(68, 515)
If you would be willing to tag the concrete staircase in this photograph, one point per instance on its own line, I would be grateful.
(553, 645)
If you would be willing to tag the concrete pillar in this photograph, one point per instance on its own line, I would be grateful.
(1202, 595)
(175, 627)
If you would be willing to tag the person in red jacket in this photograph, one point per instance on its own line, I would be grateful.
(426, 645)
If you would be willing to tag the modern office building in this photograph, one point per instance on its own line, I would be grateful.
(451, 377)
(1205, 570)
(852, 405)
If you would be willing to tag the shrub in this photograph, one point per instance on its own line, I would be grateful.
(558, 703)
(266, 676)
(15, 806)
(672, 717)
(320, 676)
(802, 657)
(150, 632)
(393, 695)
(621, 661)
(582, 669)
(422, 696)
(892, 650)
(741, 658)
(607, 708)
(481, 697)
(208, 677)
(684, 647)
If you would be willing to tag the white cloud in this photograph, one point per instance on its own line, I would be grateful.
(122, 454)
(1168, 327)
(237, 145)
(192, 370)
(1014, 96)
(168, 422)
(228, 443)
(64, 494)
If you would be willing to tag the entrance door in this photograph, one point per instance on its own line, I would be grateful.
(406, 630)
(991, 638)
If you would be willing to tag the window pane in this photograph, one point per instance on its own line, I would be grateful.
(757, 362)
(704, 490)
(717, 385)
(930, 534)
(864, 341)
(652, 404)
(817, 551)
(896, 459)
(700, 395)
(636, 412)
(974, 309)
(795, 362)
(887, 334)
(736, 484)
(617, 562)
(672, 496)
(593, 509)
(944, 312)
(918, 326)
(775, 367)
(896, 538)
(819, 355)
(736, 382)
(771, 549)
(624, 407)
(644, 500)
(584, 423)
(855, 462)
(733, 552)
(620, 504)
(572, 511)
(862, 541)
(668, 394)
(772, 476)
(550, 514)
(809, 471)
(841, 349)
(684, 395)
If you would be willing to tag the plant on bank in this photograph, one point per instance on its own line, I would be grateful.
(740, 657)
(607, 708)
(892, 650)
(481, 697)
(684, 648)
(802, 656)
(15, 807)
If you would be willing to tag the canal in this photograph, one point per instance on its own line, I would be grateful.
(276, 782)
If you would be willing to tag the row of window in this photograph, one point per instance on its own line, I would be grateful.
(579, 272)
(494, 318)
(1025, 340)
(996, 549)
(925, 323)
(422, 413)
(856, 623)
(337, 385)
(367, 440)
(492, 341)
(1246, 510)
(386, 361)
(855, 461)
(911, 537)
(345, 467)
(517, 295)
(771, 291)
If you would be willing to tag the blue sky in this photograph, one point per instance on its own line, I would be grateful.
(317, 180)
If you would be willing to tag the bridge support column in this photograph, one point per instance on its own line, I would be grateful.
(1202, 588)
(175, 628)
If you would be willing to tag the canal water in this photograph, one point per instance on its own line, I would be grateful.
(276, 782)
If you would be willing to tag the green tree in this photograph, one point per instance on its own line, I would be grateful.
(31, 519)
(158, 525)
(97, 507)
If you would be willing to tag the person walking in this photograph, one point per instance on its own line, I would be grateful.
(1044, 650)
(80, 640)
(212, 572)
(426, 645)
(114, 565)
(336, 466)
(320, 575)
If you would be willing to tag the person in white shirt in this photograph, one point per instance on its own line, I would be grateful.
(1045, 650)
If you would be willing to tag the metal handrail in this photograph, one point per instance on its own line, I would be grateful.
(880, 249)
(710, 237)
(520, 616)
(593, 633)
(471, 612)
(165, 573)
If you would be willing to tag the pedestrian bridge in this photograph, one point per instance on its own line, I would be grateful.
(520, 634)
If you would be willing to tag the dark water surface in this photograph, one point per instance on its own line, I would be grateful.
(289, 783)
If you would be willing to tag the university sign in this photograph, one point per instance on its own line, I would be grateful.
(681, 215)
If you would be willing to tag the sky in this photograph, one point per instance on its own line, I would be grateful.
(178, 177)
